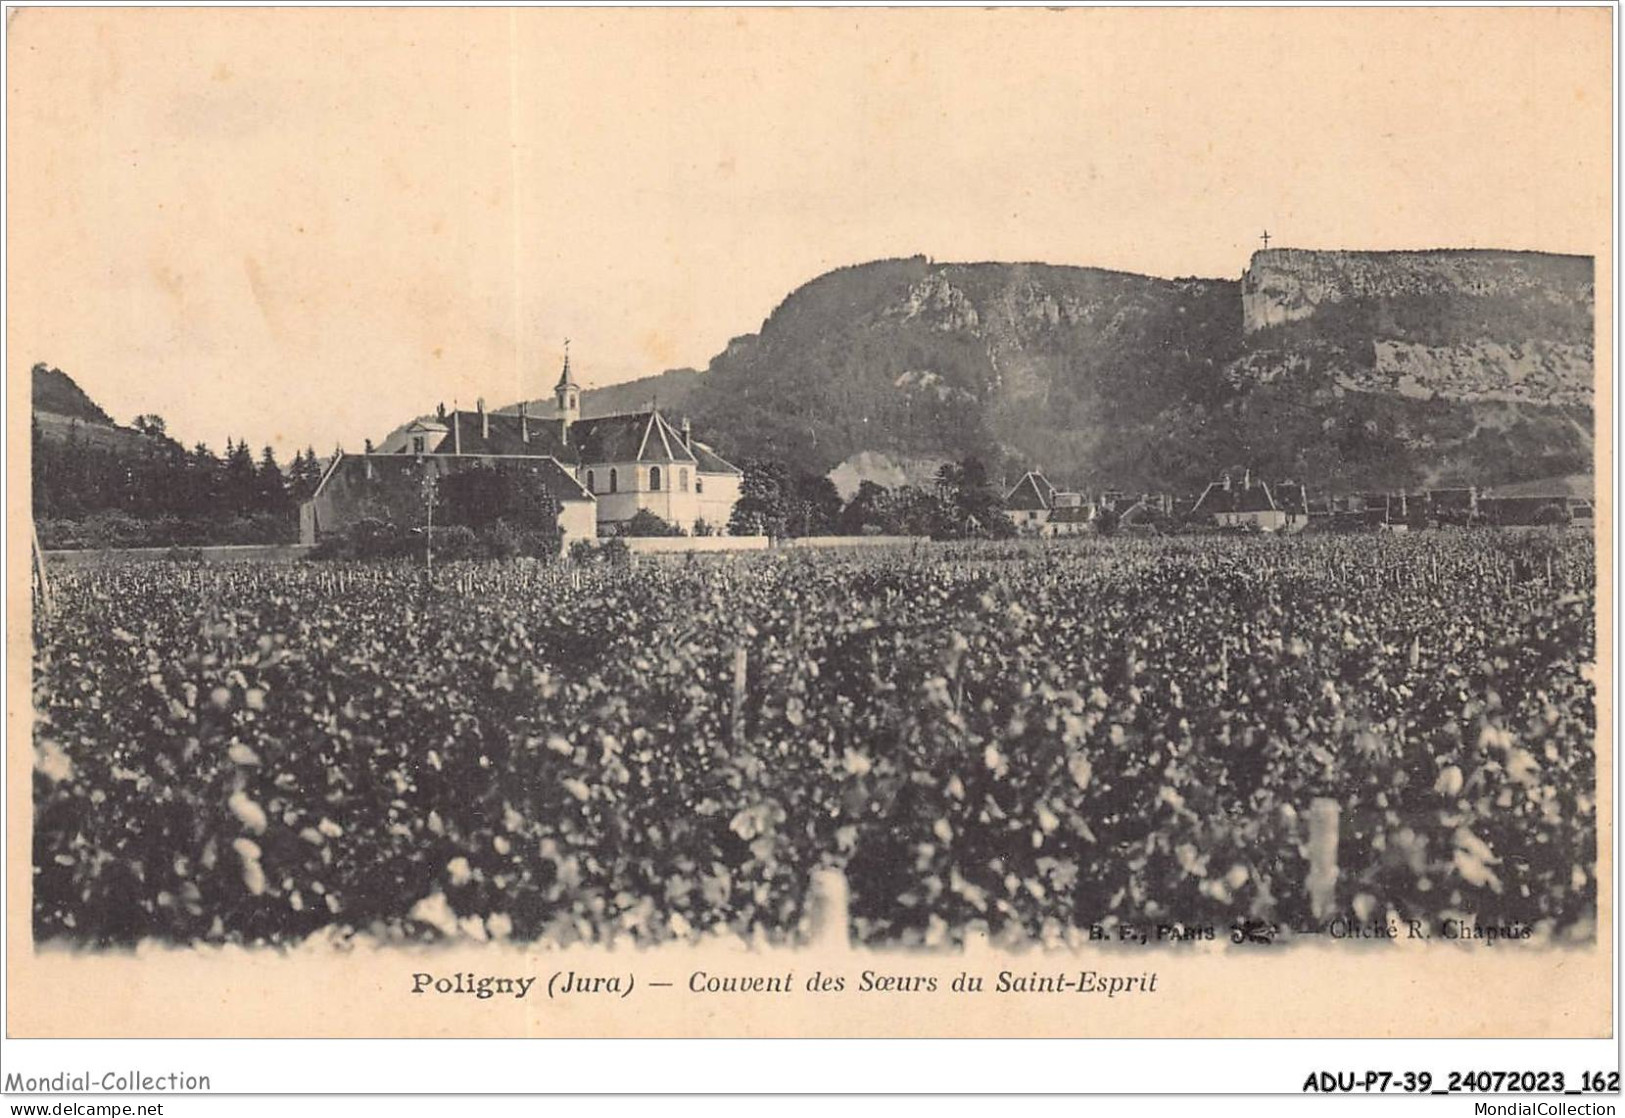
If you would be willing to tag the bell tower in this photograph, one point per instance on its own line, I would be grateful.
(567, 393)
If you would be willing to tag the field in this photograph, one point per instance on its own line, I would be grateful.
(1028, 738)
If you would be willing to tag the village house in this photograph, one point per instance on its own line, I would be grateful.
(1247, 505)
(1455, 506)
(1527, 509)
(1037, 508)
(1149, 512)
(1029, 503)
(603, 471)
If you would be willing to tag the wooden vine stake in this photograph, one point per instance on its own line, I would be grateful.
(736, 712)
(1322, 882)
(829, 924)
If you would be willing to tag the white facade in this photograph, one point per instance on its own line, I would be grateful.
(677, 492)
(1265, 520)
(717, 496)
(578, 520)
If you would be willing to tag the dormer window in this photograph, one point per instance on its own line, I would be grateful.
(417, 444)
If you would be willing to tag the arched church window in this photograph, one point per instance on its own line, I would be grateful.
(614, 481)
(682, 480)
(592, 484)
(654, 477)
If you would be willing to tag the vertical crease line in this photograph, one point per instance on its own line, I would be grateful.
(513, 169)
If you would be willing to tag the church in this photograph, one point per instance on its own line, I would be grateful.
(603, 471)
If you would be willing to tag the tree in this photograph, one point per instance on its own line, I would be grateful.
(763, 505)
(153, 492)
(647, 523)
(816, 506)
(867, 511)
(304, 475)
(918, 513)
(481, 496)
(204, 481)
(152, 426)
(272, 488)
(978, 506)
(970, 505)
(777, 501)
(239, 483)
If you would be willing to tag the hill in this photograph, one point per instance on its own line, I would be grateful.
(63, 411)
(56, 393)
(1347, 370)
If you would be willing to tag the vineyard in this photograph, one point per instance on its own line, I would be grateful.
(1023, 737)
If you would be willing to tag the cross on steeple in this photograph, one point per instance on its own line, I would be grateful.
(1266, 238)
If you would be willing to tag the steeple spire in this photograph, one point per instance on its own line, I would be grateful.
(565, 379)
(568, 395)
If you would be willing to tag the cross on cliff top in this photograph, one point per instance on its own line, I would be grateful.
(1266, 239)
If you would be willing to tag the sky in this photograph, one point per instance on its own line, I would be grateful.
(306, 226)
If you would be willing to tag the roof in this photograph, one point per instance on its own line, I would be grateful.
(1452, 498)
(1140, 512)
(645, 436)
(710, 462)
(561, 483)
(470, 432)
(1216, 499)
(639, 437)
(1032, 492)
(565, 379)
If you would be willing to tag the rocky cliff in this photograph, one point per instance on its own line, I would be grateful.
(1347, 370)
(1473, 326)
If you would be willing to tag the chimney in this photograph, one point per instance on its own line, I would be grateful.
(1247, 478)
(485, 420)
(524, 423)
(1227, 481)
(456, 430)
(688, 434)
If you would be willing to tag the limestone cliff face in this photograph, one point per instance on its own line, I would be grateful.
(1287, 285)
(1459, 325)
